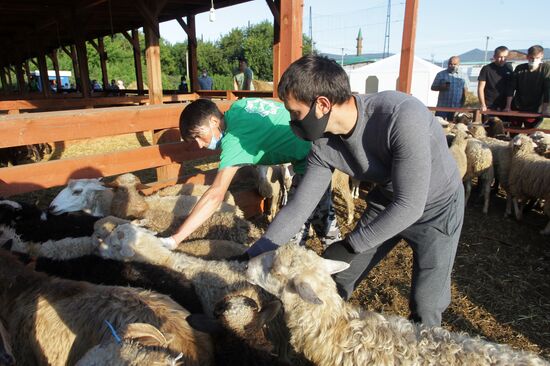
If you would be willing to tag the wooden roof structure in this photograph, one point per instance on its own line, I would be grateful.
(31, 27)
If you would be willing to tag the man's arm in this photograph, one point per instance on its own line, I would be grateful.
(436, 85)
(247, 79)
(410, 176)
(481, 94)
(208, 203)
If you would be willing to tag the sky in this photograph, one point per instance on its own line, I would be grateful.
(444, 27)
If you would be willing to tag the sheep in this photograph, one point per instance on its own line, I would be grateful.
(271, 185)
(495, 129)
(213, 280)
(33, 224)
(529, 176)
(189, 189)
(355, 188)
(458, 151)
(463, 118)
(55, 321)
(238, 331)
(161, 214)
(543, 143)
(139, 344)
(340, 184)
(480, 165)
(16, 155)
(330, 331)
(502, 158)
(6, 354)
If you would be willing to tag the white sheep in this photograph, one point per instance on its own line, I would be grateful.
(139, 344)
(54, 321)
(271, 186)
(212, 279)
(190, 189)
(160, 213)
(502, 158)
(330, 331)
(529, 176)
(340, 184)
(458, 150)
(543, 143)
(480, 165)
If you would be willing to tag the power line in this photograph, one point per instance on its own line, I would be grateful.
(386, 51)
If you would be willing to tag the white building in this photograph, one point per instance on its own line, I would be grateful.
(382, 75)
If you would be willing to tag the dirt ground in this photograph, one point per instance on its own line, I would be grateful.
(500, 281)
(501, 277)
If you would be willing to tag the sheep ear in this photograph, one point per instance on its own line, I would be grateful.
(333, 266)
(204, 323)
(305, 291)
(269, 311)
(145, 334)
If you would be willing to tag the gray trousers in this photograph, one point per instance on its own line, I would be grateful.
(433, 240)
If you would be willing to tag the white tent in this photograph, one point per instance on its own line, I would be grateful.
(382, 75)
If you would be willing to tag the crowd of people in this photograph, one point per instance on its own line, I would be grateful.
(500, 88)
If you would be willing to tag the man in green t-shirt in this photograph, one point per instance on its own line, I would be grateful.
(253, 131)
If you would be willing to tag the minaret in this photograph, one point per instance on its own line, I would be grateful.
(359, 43)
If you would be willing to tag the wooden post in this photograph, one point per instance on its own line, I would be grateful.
(55, 62)
(154, 74)
(192, 51)
(82, 55)
(103, 61)
(289, 46)
(72, 54)
(3, 79)
(407, 46)
(44, 79)
(19, 73)
(134, 41)
(27, 70)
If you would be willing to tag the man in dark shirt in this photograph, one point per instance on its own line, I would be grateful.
(390, 139)
(494, 81)
(530, 89)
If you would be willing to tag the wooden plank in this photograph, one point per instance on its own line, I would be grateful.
(70, 103)
(407, 46)
(137, 59)
(31, 177)
(103, 62)
(33, 128)
(192, 50)
(154, 74)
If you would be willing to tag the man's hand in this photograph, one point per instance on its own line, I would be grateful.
(483, 108)
(169, 243)
(340, 250)
(261, 246)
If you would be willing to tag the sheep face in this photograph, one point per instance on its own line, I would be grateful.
(128, 241)
(77, 196)
(292, 269)
(523, 143)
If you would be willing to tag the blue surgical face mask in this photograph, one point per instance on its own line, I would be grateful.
(214, 142)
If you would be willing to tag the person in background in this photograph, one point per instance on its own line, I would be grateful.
(113, 85)
(529, 90)
(183, 88)
(120, 85)
(205, 81)
(243, 80)
(452, 88)
(494, 81)
(391, 139)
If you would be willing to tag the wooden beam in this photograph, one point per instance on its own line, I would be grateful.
(154, 74)
(192, 50)
(290, 41)
(27, 70)
(19, 73)
(407, 46)
(82, 56)
(3, 80)
(76, 68)
(183, 25)
(44, 79)
(17, 180)
(137, 59)
(151, 20)
(274, 7)
(55, 62)
(103, 61)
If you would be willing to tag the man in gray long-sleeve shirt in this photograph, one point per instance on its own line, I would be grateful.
(390, 139)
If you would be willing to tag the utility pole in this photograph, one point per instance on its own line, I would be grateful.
(386, 52)
(486, 48)
(342, 56)
(311, 29)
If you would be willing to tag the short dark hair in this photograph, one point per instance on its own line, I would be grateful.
(312, 76)
(195, 116)
(535, 50)
(500, 49)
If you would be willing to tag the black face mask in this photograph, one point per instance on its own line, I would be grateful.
(310, 128)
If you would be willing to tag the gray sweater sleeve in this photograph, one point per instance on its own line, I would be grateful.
(308, 194)
(409, 143)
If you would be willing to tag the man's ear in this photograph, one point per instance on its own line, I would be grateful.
(323, 104)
